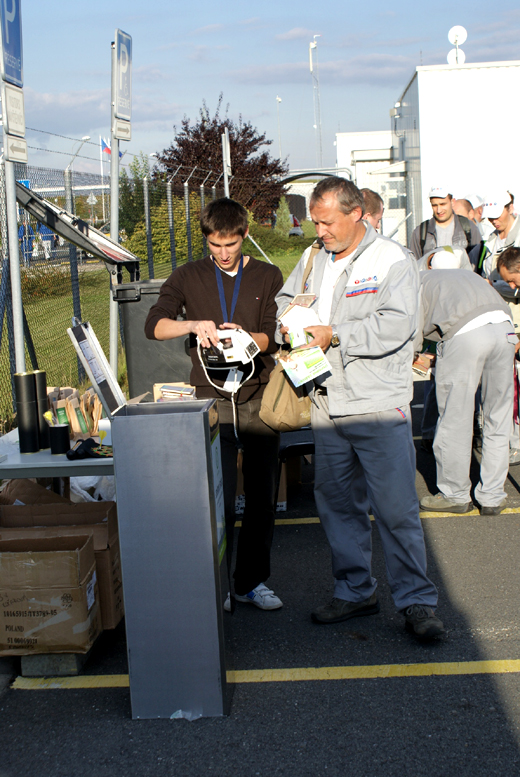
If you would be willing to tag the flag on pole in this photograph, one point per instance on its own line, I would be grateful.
(105, 147)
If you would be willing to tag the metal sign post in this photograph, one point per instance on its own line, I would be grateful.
(120, 130)
(226, 160)
(15, 149)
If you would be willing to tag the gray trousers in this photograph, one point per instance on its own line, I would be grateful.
(484, 354)
(361, 461)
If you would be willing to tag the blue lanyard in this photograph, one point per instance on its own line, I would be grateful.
(220, 284)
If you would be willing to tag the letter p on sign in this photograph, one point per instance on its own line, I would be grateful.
(9, 16)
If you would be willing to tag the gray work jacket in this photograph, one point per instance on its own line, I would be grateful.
(450, 299)
(374, 310)
(458, 241)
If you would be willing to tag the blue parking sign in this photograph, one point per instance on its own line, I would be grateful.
(12, 61)
(123, 107)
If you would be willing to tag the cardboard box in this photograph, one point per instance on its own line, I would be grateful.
(24, 491)
(49, 600)
(98, 519)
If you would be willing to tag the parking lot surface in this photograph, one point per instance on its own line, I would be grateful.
(361, 697)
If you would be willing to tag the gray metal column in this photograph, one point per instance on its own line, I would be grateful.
(172, 531)
(171, 224)
(148, 226)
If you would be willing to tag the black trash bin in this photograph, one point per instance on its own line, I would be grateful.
(148, 361)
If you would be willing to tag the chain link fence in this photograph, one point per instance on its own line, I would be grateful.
(158, 222)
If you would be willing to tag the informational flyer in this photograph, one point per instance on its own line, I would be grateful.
(304, 364)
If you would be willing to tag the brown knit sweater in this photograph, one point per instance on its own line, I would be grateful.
(194, 287)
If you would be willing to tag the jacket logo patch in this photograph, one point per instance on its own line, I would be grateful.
(367, 280)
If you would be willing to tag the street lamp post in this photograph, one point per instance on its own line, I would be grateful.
(81, 142)
(313, 46)
(278, 101)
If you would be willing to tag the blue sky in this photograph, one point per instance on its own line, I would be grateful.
(186, 52)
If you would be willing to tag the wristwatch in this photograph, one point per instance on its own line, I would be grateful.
(335, 339)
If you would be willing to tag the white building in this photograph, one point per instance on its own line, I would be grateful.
(456, 126)
(363, 152)
(369, 156)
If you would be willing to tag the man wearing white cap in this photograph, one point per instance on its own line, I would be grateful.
(475, 344)
(477, 203)
(499, 209)
(446, 258)
(445, 228)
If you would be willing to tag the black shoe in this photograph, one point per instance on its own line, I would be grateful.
(340, 610)
(492, 510)
(427, 445)
(422, 621)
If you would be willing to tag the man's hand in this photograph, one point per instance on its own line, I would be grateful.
(284, 330)
(322, 335)
(206, 331)
(260, 338)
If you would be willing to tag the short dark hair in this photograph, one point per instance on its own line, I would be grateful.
(224, 216)
(347, 193)
(373, 202)
(509, 259)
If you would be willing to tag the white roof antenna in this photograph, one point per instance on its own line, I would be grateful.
(456, 36)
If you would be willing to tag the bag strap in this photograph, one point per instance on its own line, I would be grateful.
(465, 223)
(315, 249)
(423, 233)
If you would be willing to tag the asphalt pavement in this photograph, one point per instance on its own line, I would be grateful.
(358, 698)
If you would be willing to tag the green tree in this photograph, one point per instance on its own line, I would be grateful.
(161, 235)
(256, 176)
(131, 193)
(283, 218)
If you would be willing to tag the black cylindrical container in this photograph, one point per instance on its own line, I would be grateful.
(60, 439)
(27, 412)
(40, 377)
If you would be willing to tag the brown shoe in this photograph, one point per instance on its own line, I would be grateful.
(422, 621)
(338, 610)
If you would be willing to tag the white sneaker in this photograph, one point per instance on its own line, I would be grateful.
(227, 603)
(261, 597)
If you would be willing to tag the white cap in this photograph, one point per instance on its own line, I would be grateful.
(475, 199)
(495, 204)
(445, 260)
(439, 191)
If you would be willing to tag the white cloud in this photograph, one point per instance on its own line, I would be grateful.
(82, 112)
(150, 73)
(297, 33)
(209, 28)
(375, 69)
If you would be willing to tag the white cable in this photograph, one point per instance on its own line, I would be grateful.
(233, 392)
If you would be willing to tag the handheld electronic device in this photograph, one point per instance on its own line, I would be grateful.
(235, 347)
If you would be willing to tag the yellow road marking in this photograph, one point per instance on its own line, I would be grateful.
(422, 514)
(369, 672)
(304, 674)
(67, 683)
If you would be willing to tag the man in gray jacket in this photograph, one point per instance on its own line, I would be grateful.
(367, 289)
(476, 343)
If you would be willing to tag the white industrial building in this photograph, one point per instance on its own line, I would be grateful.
(369, 157)
(454, 126)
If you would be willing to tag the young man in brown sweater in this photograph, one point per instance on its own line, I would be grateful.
(228, 290)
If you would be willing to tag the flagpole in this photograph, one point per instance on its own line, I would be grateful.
(102, 181)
